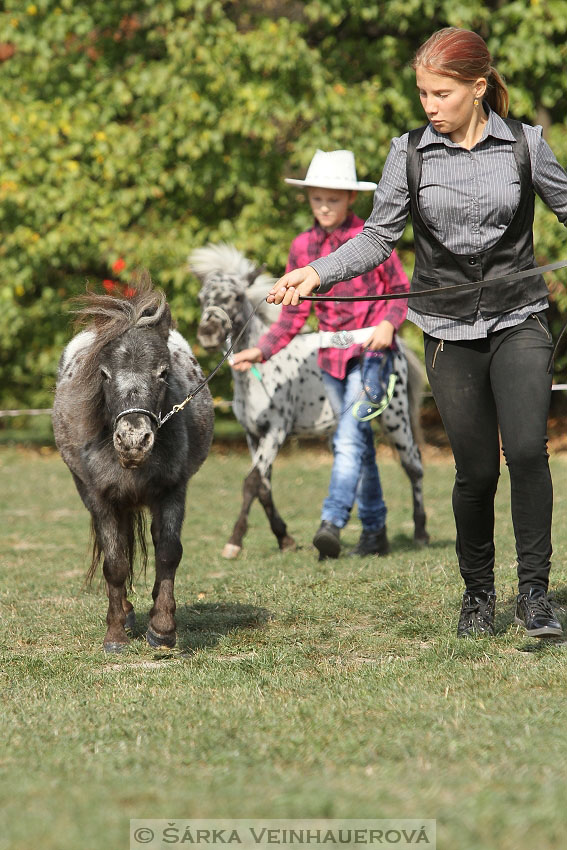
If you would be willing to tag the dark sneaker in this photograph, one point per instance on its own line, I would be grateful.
(372, 543)
(327, 540)
(477, 614)
(535, 614)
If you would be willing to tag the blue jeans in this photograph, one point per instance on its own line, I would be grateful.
(354, 476)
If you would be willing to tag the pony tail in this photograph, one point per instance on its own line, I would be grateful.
(497, 93)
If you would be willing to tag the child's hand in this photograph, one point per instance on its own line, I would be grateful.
(382, 337)
(243, 360)
(293, 284)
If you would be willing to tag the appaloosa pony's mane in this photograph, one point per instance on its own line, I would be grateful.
(225, 259)
(105, 318)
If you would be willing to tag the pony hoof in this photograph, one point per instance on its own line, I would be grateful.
(422, 540)
(288, 544)
(114, 647)
(158, 641)
(130, 623)
(231, 551)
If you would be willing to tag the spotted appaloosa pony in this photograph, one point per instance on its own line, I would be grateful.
(114, 380)
(286, 394)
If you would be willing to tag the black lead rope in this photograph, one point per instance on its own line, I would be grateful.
(457, 287)
(393, 296)
(178, 407)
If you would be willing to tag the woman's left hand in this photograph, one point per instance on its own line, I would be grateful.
(381, 338)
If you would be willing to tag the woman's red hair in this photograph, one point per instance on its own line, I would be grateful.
(462, 54)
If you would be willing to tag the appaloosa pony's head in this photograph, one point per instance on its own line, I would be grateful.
(231, 287)
(123, 378)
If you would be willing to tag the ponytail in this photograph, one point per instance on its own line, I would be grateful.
(497, 93)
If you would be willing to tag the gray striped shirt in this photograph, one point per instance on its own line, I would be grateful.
(467, 199)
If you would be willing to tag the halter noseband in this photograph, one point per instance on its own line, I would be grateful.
(157, 420)
(215, 309)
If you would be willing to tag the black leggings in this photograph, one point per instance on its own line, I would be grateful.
(481, 385)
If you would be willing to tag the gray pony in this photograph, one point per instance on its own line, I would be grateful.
(115, 380)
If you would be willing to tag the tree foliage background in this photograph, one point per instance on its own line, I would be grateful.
(140, 129)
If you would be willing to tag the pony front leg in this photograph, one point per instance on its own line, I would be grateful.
(250, 489)
(278, 526)
(166, 530)
(117, 570)
(114, 535)
(258, 484)
(130, 621)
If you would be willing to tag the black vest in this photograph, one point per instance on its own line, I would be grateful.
(436, 266)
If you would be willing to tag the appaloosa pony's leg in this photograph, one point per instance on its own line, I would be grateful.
(278, 526)
(250, 487)
(396, 421)
(167, 519)
(258, 484)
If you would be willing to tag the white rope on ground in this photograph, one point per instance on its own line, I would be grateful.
(35, 412)
(221, 402)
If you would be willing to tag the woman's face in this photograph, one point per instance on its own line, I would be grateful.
(447, 102)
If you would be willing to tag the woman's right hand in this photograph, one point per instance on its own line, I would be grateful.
(289, 288)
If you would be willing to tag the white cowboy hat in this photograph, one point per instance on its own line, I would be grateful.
(333, 170)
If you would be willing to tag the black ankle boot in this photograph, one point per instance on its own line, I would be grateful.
(372, 543)
(327, 540)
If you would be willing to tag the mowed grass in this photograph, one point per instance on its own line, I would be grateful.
(298, 689)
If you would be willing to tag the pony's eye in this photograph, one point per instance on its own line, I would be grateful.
(163, 372)
(106, 376)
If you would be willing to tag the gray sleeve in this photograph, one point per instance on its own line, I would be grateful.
(549, 178)
(382, 229)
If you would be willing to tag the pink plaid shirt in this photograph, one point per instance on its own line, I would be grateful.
(337, 316)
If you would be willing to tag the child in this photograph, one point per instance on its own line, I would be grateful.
(332, 186)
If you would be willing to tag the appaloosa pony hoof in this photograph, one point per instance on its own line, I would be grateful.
(231, 551)
(114, 647)
(158, 641)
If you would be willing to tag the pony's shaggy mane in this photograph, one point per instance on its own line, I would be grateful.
(111, 315)
(108, 317)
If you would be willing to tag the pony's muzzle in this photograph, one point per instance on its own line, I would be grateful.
(133, 440)
(211, 336)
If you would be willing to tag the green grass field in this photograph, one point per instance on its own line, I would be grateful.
(298, 689)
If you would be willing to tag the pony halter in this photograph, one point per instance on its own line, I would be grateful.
(157, 420)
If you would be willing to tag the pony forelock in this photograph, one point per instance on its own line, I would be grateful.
(223, 258)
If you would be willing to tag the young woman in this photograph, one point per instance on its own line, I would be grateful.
(468, 179)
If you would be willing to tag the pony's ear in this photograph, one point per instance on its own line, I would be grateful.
(256, 272)
(165, 323)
